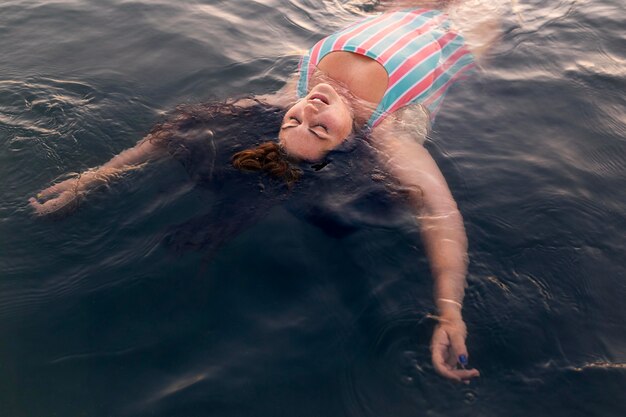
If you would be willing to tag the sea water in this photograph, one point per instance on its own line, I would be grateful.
(98, 317)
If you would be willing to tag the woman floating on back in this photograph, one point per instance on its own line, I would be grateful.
(383, 78)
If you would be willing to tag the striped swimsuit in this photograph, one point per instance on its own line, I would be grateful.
(420, 53)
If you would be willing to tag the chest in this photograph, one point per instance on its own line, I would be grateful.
(365, 77)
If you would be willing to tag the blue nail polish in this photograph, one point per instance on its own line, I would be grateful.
(463, 360)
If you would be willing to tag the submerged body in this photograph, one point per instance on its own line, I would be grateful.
(349, 84)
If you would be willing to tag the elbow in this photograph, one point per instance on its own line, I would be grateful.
(444, 222)
(445, 210)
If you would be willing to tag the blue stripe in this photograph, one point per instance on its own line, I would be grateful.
(392, 37)
(451, 47)
(414, 76)
(412, 48)
(451, 72)
(330, 40)
(356, 41)
(303, 79)
(326, 47)
(434, 107)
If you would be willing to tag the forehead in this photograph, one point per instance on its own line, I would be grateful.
(296, 104)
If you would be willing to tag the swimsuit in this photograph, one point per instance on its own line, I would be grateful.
(417, 48)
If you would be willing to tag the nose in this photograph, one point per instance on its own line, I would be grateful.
(311, 109)
(310, 112)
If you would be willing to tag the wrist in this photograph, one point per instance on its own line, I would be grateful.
(96, 177)
(449, 309)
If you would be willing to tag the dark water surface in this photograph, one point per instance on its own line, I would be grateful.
(99, 318)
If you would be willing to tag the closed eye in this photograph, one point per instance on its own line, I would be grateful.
(321, 134)
(291, 122)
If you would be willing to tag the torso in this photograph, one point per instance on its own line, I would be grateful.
(392, 60)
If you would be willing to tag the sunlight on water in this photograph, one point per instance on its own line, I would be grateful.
(322, 304)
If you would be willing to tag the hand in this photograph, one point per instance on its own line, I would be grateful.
(447, 347)
(61, 198)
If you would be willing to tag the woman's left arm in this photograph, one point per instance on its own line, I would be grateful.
(443, 234)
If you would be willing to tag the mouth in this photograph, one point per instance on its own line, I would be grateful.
(319, 98)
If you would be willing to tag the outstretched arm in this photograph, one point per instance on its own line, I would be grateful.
(444, 238)
(65, 196)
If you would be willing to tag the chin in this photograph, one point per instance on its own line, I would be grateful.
(306, 155)
(308, 158)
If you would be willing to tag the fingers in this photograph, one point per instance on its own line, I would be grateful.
(458, 375)
(443, 362)
(447, 346)
(35, 205)
(47, 192)
(58, 188)
(439, 353)
(453, 339)
(65, 202)
(446, 370)
(53, 189)
(43, 209)
(457, 340)
(463, 375)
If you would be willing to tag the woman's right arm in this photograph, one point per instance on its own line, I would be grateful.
(65, 196)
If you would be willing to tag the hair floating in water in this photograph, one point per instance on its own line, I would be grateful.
(268, 157)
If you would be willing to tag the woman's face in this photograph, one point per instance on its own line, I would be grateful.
(316, 124)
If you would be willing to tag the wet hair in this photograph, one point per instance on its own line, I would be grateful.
(235, 125)
(270, 158)
(241, 133)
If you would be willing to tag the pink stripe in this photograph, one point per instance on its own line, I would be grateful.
(313, 60)
(315, 53)
(448, 63)
(428, 80)
(381, 34)
(412, 92)
(413, 60)
(404, 40)
(446, 39)
(341, 41)
(444, 87)
(405, 98)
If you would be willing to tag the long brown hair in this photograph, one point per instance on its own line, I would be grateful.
(269, 158)
(233, 124)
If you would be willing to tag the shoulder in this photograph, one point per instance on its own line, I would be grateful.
(412, 122)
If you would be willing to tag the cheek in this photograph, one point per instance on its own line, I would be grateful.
(343, 123)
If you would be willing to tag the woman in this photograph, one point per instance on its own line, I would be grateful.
(384, 78)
